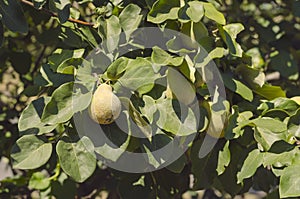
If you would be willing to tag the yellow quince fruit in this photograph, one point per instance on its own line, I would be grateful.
(105, 106)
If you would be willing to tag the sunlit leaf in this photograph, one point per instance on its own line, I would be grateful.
(30, 152)
(74, 155)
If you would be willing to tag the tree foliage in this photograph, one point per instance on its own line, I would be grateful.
(46, 82)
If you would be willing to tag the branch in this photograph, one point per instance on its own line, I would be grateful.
(55, 15)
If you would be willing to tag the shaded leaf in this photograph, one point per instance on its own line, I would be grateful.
(1, 34)
(12, 16)
(47, 77)
(21, 61)
(284, 62)
(62, 8)
(237, 87)
(252, 76)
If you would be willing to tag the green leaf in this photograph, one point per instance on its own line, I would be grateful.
(203, 61)
(284, 62)
(89, 35)
(180, 45)
(178, 165)
(118, 141)
(269, 92)
(204, 169)
(110, 31)
(286, 104)
(30, 152)
(163, 10)
(21, 61)
(201, 35)
(252, 162)
(139, 76)
(62, 8)
(77, 158)
(64, 103)
(63, 187)
(232, 123)
(1, 34)
(149, 108)
(60, 56)
(252, 76)
(256, 58)
(195, 11)
(237, 87)
(212, 13)
(289, 182)
(281, 159)
(39, 3)
(217, 118)
(30, 119)
(161, 57)
(137, 118)
(224, 159)
(130, 19)
(39, 181)
(69, 66)
(115, 70)
(271, 124)
(169, 121)
(229, 34)
(294, 124)
(12, 16)
(47, 77)
(267, 138)
(180, 87)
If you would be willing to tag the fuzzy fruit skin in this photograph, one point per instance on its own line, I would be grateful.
(105, 106)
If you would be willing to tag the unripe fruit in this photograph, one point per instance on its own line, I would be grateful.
(105, 106)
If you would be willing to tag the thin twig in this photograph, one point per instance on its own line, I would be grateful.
(55, 15)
